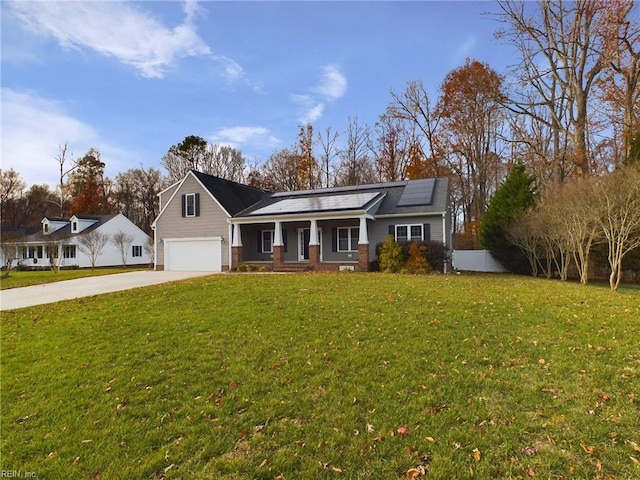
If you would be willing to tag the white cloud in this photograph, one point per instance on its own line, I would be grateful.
(33, 129)
(232, 70)
(331, 86)
(333, 83)
(312, 109)
(115, 29)
(241, 137)
(465, 48)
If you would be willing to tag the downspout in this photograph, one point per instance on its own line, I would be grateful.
(444, 239)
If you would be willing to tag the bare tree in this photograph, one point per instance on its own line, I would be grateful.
(620, 218)
(11, 191)
(136, 194)
(62, 159)
(92, 243)
(415, 107)
(356, 167)
(562, 54)
(149, 247)
(190, 154)
(327, 141)
(122, 240)
(226, 162)
(10, 243)
(390, 146)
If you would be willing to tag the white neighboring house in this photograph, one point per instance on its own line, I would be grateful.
(60, 239)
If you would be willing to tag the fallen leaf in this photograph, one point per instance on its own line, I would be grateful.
(403, 431)
(430, 439)
(413, 473)
(635, 446)
(476, 454)
(263, 464)
(370, 428)
(598, 466)
(589, 450)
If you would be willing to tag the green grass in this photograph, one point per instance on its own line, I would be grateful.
(26, 278)
(310, 376)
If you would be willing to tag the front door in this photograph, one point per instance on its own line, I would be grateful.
(304, 235)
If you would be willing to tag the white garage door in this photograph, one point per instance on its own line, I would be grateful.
(193, 254)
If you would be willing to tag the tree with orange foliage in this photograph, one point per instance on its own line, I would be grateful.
(89, 188)
(472, 119)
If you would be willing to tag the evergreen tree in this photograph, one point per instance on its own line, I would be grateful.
(512, 198)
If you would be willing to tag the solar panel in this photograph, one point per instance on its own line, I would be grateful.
(318, 204)
(418, 192)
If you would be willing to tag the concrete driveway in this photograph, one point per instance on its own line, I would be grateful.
(85, 287)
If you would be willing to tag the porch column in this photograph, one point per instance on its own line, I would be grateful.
(363, 246)
(278, 246)
(277, 235)
(236, 245)
(314, 246)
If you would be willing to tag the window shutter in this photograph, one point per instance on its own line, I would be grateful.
(334, 239)
(426, 232)
(392, 231)
(184, 205)
(284, 239)
(197, 195)
(259, 241)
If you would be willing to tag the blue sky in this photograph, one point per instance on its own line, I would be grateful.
(133, 78)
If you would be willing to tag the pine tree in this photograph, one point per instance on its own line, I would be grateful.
(512, 198)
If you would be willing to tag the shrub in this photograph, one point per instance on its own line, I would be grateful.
(417, 260)
(390, 257)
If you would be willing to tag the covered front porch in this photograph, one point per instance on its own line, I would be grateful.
(287, 244)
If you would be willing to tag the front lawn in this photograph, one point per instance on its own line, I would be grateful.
(26, 278)
(310, 376)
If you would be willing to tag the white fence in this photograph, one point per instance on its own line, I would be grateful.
(476, 261)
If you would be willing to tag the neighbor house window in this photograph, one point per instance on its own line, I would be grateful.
(74, 227)
(69, 251)
(45, 226)
(409, 233)
(52, 252)
(348, 239)
(266, 241)
(32, 252)
(191, 205)
(136, 251)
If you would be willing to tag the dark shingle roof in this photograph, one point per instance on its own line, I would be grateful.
(234, 197)
(390, 205)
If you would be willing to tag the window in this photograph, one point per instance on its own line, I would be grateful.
(69, 251)
(409, 233)
(52, 252)
(32, 252)
(74, 227)
(136, 250)
(45, 227)
(191, 205)
(348, 239)
(266, 241)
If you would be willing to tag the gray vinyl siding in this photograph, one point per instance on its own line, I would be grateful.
(379, 229)
(166, 195)
(212, 221)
